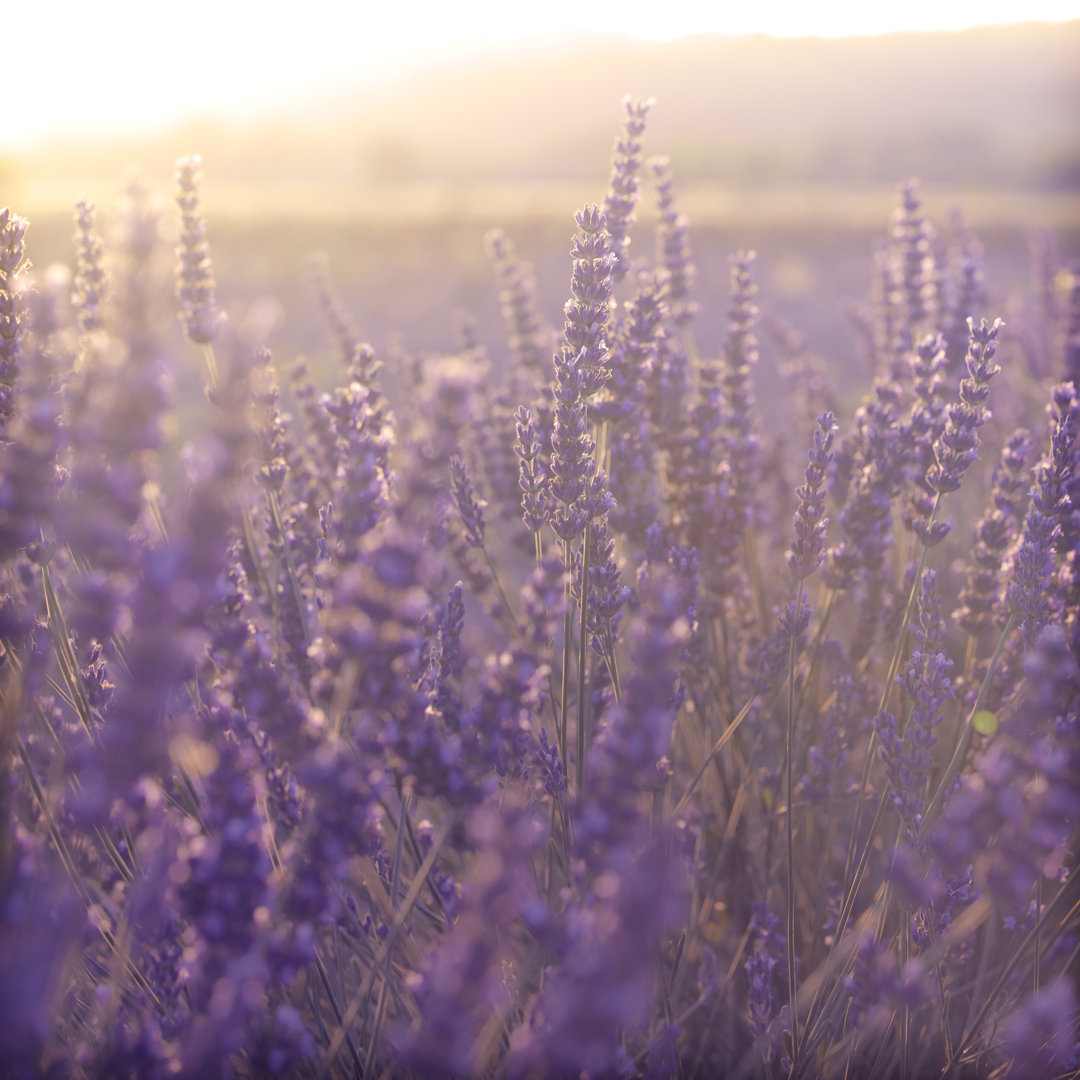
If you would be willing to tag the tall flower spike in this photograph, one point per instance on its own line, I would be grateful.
(589, 307)
(964, 290)
(926, 681)
(634, 350)
(622, 193)
(469, 506)
(88, 288)
(808, 548)
(1029, 595)
(740, 357)
(535, 502)
(517, 295)
(194, 274)
(956, 450)
(673, 248)
(925, 424)
(915, 275)
(12, 235)
(571, 451)
(581, 368)
(994, 534)
(769, 948)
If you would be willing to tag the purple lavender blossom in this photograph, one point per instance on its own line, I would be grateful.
(29, 481)
(572, 463)
(877, 986)
(194, 275)
(604, 987)
(994, 533)
(1028, 595)
(1013, 813)
(673, 248)
(607, 594)
(769, 950)
(529, 343)
(448, 659)
(470, 509)
(808, 548)
(40, 924)
(957, 447)
(634, 351)
(923, 428)
(468, 978)
(926, 681)
(914, 272)
(535, 502)
(359, 480)
(1038, 1038)
(622, 192)
(222, 677)
(963, 290)
(588, 310)
(222, 875)
(740, 357)
(12, 249)
(91, 279)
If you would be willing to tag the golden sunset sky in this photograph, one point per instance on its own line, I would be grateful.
(124, 67)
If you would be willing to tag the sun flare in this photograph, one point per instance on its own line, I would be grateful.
(129, 71)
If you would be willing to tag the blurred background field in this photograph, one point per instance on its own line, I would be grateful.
(795, 147)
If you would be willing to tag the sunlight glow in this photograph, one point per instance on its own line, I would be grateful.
(124, 65)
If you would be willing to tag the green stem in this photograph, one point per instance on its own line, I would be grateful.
(507, 607)
(790, 825)
(568, 627)
(965, 736)
(894, 664)
(719, 745)
(583, 644)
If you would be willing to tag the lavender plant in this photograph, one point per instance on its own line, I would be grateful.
(345, 752)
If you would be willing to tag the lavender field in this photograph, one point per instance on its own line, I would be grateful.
(557, 689)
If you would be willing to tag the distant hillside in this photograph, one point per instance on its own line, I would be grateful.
(990, 107)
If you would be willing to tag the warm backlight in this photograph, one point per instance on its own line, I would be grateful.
(126, 66)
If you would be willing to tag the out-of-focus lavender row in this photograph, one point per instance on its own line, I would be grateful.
(566, 707)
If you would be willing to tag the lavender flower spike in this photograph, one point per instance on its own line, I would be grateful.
(673, 248)
(957, 447)
(517, 294)
(12, 233)
(623, 187)
(994, 533)
(194, 274)
(88, 292)
(926, 679)
(581, 368)
(535, 503)
(589, 308)
(1029, 593)
(469, 506)
(808, 550)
